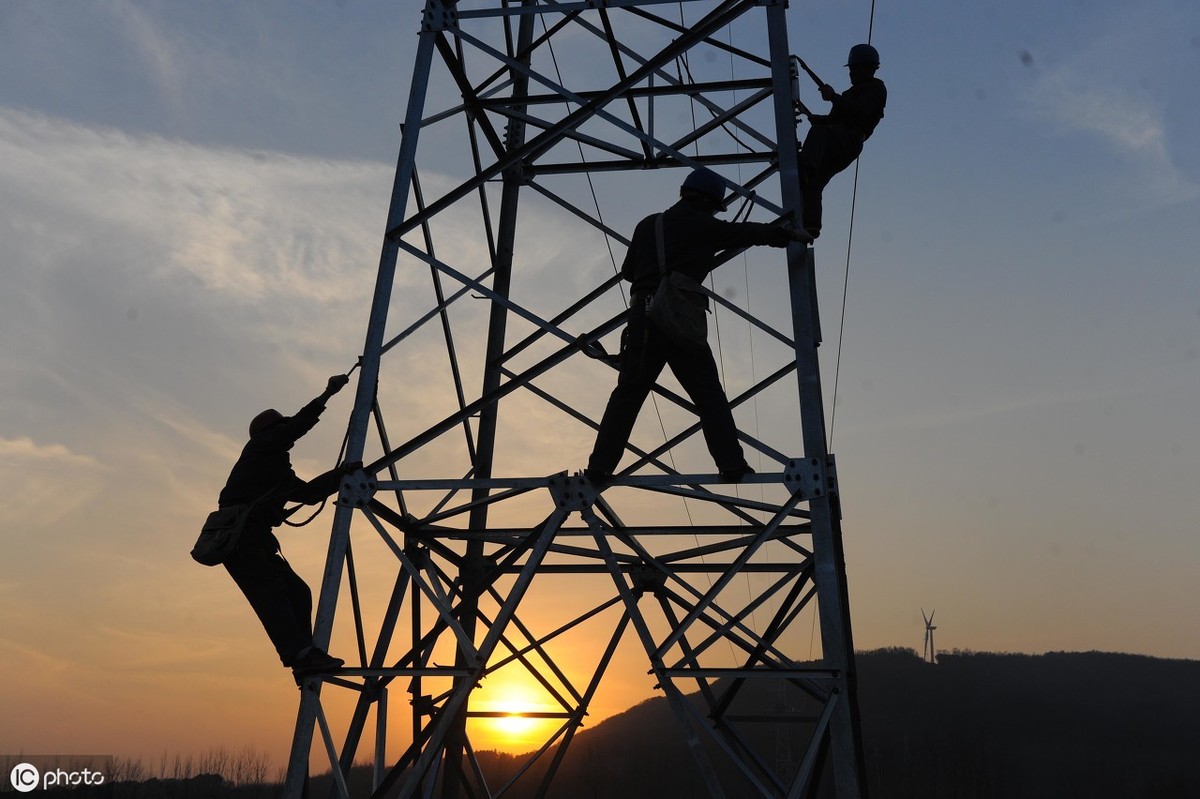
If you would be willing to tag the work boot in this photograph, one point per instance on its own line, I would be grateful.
(734, 474)
(598, 478)
(315, 661)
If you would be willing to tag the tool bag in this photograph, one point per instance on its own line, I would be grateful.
(220, 534)
(679, 307)
(222, 530)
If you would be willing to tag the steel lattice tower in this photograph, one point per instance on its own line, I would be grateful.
(532, 109)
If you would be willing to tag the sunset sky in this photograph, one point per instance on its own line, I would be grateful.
(192, 198)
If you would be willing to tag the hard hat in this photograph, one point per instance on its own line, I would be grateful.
(863, 54)
(264, 420)
(706, 182)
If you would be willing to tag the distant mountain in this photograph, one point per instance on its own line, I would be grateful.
(1090, 724)
(1059, 725)
(985, 726)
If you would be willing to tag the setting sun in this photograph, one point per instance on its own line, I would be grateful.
(516, 724)
(507, 706)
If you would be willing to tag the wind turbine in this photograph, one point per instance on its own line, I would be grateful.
(929, 654)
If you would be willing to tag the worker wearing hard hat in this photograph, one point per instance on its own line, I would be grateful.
(835, 139)
(685, 240)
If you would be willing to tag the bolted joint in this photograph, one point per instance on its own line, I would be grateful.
(475, 572)
(438, 15)
(572, 492)
(357, 489)
(646, 578)
(810, 478)
(417, 555)
(423, 705)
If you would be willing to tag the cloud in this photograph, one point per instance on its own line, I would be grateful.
(163, 292)
(248, 225)
(44, 482)
(27, 449)
(1102, 89)
(155, 50)
(157, 293)
(145, 263)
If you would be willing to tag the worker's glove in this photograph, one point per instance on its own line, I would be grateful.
(784, 235)
(336, 384)
(802, 236)
(352, 467)
(827, 93)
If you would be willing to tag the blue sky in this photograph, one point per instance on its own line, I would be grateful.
(191, 203)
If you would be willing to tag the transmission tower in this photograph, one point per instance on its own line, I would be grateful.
(468, 549)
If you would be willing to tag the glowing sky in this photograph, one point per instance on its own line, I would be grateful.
(191, 204)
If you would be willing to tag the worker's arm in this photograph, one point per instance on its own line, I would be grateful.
(287, 432)
(321, 486)
(735, 235)
(860, 106)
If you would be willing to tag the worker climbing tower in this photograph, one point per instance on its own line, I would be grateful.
(475, 580)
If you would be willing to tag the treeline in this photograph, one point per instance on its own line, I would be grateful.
(245, 768)
(214, 774)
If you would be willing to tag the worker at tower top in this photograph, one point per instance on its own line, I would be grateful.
(263, 475)
(684, 239)
(835, 139)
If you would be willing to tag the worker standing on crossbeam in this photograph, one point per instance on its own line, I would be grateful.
(835, 139)
(686, 238)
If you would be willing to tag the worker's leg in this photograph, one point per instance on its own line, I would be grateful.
(642, 359)
(697, 373)
(280, 598)
(827, 151)
(809, 164)
(299, 596)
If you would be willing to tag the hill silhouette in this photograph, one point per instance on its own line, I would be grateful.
(1056, 725)
(1091, 725)
(991, 726)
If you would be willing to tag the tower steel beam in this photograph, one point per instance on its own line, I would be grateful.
(543, 129)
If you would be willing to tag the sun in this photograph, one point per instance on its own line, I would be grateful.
(508, 727)
(516, 724)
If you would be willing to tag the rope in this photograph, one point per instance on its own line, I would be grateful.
(837, 369)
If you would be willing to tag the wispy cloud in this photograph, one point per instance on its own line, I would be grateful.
(154, 48)
(249, 225)
(165, 291)
(1102, 89)
(156, 294)
(45, 482)
(27, 449)
(133, 253)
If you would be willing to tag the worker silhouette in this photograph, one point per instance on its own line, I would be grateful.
(263, 474)
(692, 237)
(836, 139)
